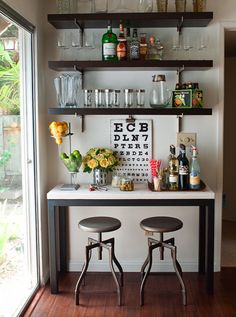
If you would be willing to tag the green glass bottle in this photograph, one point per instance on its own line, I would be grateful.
(109, 43)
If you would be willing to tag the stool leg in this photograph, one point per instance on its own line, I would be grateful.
(90, 242)
(112, 241)
(172, 242)
(84, 270)
(118, 286)
(173, 255)
(149, 262)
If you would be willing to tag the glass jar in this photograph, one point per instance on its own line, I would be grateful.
(162, 5)
(126, 184)
(100, 6)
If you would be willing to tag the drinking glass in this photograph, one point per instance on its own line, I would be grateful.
(84, 6)
(140, 97)
(99, 97)
(76, 38)
(180, 5)
(129, 97)
(88, 39)
(88, 97)
(100, 5)
(116, 98)
(109, 97)
(162, 5)
(144, 5)
(63, 6)
(199, 5)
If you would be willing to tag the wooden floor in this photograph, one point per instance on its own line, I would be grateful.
(162, 297)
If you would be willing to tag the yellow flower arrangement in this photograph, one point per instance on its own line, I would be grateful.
(99, 158)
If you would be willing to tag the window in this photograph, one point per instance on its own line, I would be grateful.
(18, 216)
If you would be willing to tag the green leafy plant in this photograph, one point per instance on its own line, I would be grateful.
(4, 157)
(9, 82)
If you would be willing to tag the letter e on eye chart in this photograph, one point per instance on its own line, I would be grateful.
(133, 143)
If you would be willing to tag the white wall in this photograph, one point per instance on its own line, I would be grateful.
(229, 211)
(164, 132)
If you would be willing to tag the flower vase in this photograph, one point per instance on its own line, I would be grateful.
(100, 177)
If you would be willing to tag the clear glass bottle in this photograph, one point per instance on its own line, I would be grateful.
(109, 43)
(134, 46)
(183, 169)
(159, 95)
(173, 168)
(194, 171)
(155, 49)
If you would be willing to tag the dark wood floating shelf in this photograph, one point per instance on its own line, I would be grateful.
(138, 20)
(130, 111)
(122, 65)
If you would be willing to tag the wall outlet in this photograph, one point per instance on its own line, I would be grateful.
(187, 139)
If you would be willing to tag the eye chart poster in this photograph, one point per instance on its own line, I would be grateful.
(133, 143)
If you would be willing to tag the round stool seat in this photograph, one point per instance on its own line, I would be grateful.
(100, 224)
(161, 224)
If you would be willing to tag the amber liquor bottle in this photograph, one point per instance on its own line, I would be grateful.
(121, 49)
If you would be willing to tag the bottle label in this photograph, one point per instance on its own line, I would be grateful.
(109, 49)
(183, 170)
(121, 50)
(134, 51)
(194, 180)
(173, 179)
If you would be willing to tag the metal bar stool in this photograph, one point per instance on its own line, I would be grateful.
(100, 225)
(161, 225)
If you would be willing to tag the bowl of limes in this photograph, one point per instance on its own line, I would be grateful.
(72, 161)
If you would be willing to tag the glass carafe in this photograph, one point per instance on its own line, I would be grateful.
(159, 95)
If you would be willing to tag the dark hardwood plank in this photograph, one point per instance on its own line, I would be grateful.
(162, 297)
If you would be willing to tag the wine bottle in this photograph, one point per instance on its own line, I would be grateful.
(173, 165)
(183, 169)
(121, 48)
(194, 171)
(109, 43)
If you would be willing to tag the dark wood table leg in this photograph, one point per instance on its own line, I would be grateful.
(210, 246)
(63, 238)
(52, 247)
(202, 240)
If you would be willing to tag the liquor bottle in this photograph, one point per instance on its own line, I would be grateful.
(155, 49)
(173, 166)
(134, 46)
(128, 41)
(194, 171)
(183, 169)
(143, 46)
(121, 48)
(109, 43)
